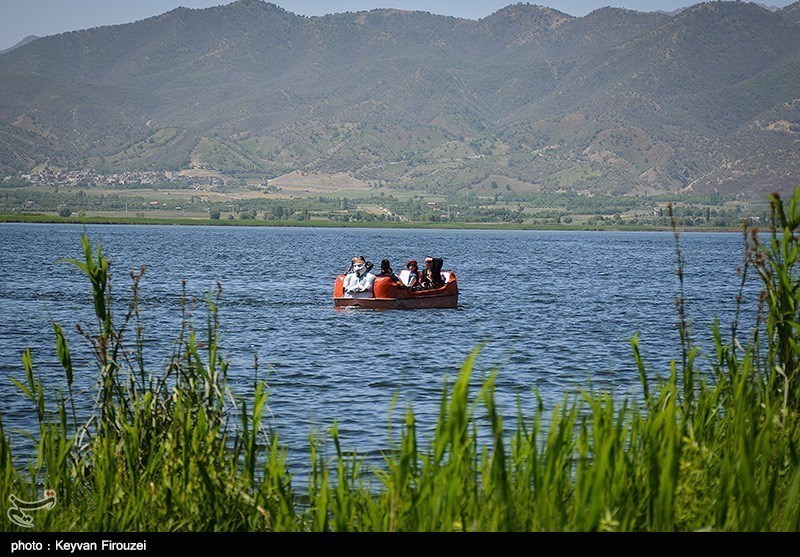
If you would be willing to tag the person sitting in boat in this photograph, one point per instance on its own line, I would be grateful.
(425, 275)
(359, 279)
(386, 271)
(432, 273)
(413, 280)
(363, 259)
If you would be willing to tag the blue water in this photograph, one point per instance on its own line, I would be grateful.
(556, 309)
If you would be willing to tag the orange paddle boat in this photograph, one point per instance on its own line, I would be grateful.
(388, 294)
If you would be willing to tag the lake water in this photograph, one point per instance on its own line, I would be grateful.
(556, 309)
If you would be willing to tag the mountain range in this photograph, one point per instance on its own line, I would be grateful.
(526, 99)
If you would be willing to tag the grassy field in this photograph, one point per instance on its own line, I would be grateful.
(163, 219)
(338, 199)
(176, 449)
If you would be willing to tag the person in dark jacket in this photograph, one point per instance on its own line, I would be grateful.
(432, 273)
(386, 271)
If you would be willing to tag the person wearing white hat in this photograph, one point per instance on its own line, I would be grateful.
(359, 279)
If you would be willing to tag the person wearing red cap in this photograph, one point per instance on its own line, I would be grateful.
(413, 274)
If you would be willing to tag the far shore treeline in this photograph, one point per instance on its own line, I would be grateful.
(114, 219)
(26, 203)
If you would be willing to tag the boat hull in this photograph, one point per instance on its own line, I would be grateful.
(387, 294)
(396, 303)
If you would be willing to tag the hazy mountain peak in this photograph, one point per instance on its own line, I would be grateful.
(611, 10)
(524, 11)
(729, 6)
(23, 42)
(614, 16)
(739, 17)
(259, 4)
(392, 11)
(384, 15)
(792, 12)
(768, 7)
(237, 6)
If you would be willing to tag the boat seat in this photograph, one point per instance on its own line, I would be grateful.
(403, 276)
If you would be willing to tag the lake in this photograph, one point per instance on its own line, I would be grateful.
(556, 309)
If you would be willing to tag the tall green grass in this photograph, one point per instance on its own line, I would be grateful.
(178, 450)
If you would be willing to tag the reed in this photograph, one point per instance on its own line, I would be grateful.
(178, 450)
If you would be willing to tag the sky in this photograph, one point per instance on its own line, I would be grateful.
(21, 18)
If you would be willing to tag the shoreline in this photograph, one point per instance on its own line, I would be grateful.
(38, 218)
